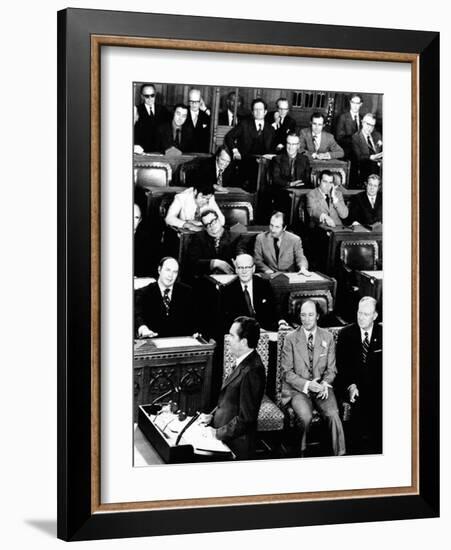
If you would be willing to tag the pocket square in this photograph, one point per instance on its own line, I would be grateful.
(264, 300)
(323, 355)
(204, 125)
(377, 350)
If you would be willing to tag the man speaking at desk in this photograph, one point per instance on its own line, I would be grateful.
(234, 420)
(165, 308)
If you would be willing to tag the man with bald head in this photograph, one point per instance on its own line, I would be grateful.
(359, 359)
(249, 295)
(308, 364)
(166, 307)
(198, 121)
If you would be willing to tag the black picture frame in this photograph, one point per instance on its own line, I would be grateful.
(79, 514)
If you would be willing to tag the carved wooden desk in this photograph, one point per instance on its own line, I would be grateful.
(177, 369)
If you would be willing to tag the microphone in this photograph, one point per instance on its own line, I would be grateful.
(155, 408)
(193, 419)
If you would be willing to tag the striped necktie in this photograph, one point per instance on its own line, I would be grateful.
(310, 353)
(365, 347)
(247, 299)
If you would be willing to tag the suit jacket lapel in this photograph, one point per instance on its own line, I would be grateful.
(301, 344)
(236, 371)
(317, 347)
(271, 249)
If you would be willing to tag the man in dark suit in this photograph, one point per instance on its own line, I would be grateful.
(359, 360)
(176, 135)
(282, 123)
(212, 250)
(366, 207)
(165, 308)
(288, 169)
(348, 124)
(218, 169)
(228, 117)
(308, 363)
(234, 419)
(367, 148)
(148, 117)
(279, 250)
(249, 295)
(198, 121)
(251, 137)
(318, 144)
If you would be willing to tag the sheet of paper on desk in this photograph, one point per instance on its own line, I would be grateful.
(202, 439)
(375, 274)
(296, 278)
(176, 342)
(223, 279)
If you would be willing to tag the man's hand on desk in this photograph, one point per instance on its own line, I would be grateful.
(138, 149)
(283, 325)
(304, 271)
(193, 225)
(222, 266)
(295, 183)
(205, 419)
(145, 332)
(236, 154)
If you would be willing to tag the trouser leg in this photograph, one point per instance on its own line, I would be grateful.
(329, 411)
(303, 410)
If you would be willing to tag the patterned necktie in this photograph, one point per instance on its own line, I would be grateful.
(217, 239)
(370, 145)
(365, 347)
(247, 299)
(316, 142)
(166, 300)
(276, 248)
(310, 353)
(219, 181)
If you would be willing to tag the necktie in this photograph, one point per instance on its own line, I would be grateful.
(232, 121)
(248, 301)
(328, 201)
(166, 300)
(197, 213)
(259, 129)
(276, 248)
(365, 346)
(316, 142)
(217, 239)
(357, 122)
(292, 169)
(370, 145)
(310, 353)
(219, 180)
(177, 136)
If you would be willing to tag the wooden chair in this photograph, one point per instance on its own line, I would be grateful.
(157, 174)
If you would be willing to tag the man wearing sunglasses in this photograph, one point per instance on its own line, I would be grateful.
(148, 116)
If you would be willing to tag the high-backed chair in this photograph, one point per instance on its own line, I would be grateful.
(237, 212)
(157, 174)
(322, 297)
(270, 417)
(339, 168)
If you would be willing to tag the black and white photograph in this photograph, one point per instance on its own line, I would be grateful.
(257, 273)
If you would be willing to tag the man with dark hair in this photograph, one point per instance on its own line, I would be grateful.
(234, 419)
(367, 148)
(325, 203)
(186, 208)
(282, 123)
(308, 363)
(166, 307)
(218, 169)
(228, 117)
(348, 124)
(359, 360)
(213, 250)
(279, 250)
(249, 295)
(318, 144)
(198, 121)
(252, 136)
(366, 207)
(148, 116)
(176, 136)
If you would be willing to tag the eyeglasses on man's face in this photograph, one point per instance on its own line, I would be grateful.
(147, 96)
(244, 267)
(210, 223)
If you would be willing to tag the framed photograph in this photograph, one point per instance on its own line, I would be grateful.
(203, 383)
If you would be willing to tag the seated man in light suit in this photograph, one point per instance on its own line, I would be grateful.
(308, 363)
(234, 420)
(186, 208)
(317, 144)
(279, 250)
(325, 204)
